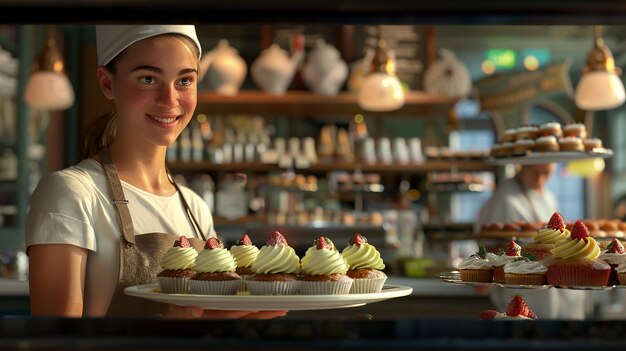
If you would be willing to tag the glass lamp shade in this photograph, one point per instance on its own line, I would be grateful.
(381, 92)
(48, 90)
(599, 90)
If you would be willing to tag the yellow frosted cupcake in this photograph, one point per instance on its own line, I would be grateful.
(216, 271)
(245, 255)
(178, 266)
(546, 238)
(366, 266)
(275, 269)
(576, 261)
(324, 270)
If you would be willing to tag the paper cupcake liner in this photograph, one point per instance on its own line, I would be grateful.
(214, 287)
(244, 285)
(173, 285)
(477, 275)
(498, 274)
(525, 279)
(326, 288)
(273, 288)
(570, 276)
(367, 286)
(621, 277)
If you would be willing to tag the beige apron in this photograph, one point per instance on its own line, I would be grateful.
(140, 255)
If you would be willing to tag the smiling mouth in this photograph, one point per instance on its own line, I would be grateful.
(164, 120)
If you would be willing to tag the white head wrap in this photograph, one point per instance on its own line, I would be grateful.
(113, 39)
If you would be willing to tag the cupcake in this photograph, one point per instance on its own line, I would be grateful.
(365, 266)
(614, 256)
(577, 130)
(546, 143)
(178, 266)
(276, 268)
(592, 143)
(512, 252)
(527, 132)
(546, 238)
(324, 270)
(525, 271)
(551, 129)
(621, 273)
(215, 267)
(571, 144)
(516, 309)
(476, 268)
(245, 255)
(576, 261)
(522, 147)
(508, 135)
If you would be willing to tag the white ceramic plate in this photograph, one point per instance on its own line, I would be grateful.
(267, 303)
(549, 157)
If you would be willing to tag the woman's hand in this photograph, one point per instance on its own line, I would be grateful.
(181, 312)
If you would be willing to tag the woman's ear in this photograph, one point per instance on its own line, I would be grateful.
(105, 79)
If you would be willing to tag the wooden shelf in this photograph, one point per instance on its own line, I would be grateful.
(428, 166)
(303, 103)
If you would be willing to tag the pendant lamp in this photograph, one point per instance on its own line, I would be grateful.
(600, 87)
(381, 89)
(48, 87)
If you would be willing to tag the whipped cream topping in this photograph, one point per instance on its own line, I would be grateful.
(177, 257)
(612, 258)
(215, 260)
(323, 262)
(550, 236)
(576, 249)
(525, 267)
(276, 259)
(502, 260)
(474, 262)
(245, 255)
(363, 256)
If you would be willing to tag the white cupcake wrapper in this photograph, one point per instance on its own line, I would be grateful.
(367, 286)
(325, 288)
(244, 285)
(173, 285)
(214, 287)
(273, 288)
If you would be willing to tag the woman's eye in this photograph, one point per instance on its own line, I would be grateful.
(186, 81)
(147, 80)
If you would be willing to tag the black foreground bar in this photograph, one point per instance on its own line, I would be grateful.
(282, 334)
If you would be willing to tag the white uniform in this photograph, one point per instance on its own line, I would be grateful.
(73, 206)
(511, 203)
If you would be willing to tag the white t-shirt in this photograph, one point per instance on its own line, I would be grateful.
(73, 206)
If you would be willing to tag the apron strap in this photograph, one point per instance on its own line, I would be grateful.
(119, 200)
(194, 223)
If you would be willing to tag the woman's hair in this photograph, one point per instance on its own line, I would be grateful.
(102, 130)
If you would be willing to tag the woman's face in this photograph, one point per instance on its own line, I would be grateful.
(155, 90)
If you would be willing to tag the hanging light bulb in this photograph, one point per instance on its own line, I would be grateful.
(381, 89)
(48, 86)
(600, 87)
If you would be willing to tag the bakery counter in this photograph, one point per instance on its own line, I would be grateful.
(282, 334)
